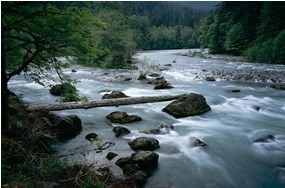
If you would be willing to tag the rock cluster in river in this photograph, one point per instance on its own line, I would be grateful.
(187, 105)
(139, 166)
(122, 117)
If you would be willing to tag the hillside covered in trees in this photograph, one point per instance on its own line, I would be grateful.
(253, 29)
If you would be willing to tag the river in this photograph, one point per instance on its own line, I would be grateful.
(232, 158)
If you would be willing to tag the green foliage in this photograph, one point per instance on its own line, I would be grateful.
(146, 66)
(91, 183)
(236, 39)
(253, 29)
(269, 51)
(279, 48)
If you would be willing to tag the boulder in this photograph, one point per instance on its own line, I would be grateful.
(144, 143)
(111, 155)
(61, 89)
(123, 161)
(188, 105)
(147, 160)
(142, 77)
(235, 90)
(73, 70)
(154, 75)
(120, 131)
(114, 95)
(211, 79)
(278, 86)
(128, 79)
(91, 137)
(266, 138)
(122, 117)
(197, 142)
(163, 84)
(168, 65)
(63, 128)
(68, 127)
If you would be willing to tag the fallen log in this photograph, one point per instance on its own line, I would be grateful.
(101, 103)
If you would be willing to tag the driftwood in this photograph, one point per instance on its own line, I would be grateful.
(101, 103)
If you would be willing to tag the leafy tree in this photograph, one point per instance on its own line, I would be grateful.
(116, 38)
(35, 34)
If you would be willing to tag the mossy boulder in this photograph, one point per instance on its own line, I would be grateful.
(163, 84)
(128, 79)
(62, 89)
(92, 137)
(144, 143)
(120, 131)
(122, 117)
(114, 95)
(210, 78)
(187, 105)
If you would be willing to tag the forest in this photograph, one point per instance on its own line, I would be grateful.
(253, 29)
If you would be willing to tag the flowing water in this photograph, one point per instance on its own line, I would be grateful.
(231, 159)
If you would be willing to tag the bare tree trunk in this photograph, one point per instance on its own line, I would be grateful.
(101, 103)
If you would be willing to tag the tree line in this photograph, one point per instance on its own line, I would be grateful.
(253, 29)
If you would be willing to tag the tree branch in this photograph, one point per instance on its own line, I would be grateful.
(24, 65)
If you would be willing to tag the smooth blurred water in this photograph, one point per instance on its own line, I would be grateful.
(231, 159)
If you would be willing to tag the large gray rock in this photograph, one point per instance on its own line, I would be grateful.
(147, 160)
(188, 105)
(121, 131)
(144, 143)
(122, 117)
(114, 95)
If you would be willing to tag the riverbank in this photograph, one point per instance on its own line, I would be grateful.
(233, 68)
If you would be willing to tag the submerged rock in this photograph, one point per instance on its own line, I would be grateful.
(211, 79)
(278, 86)
(120, 131)
(162, 129)
(144, 143)
(114, 95)
(235, 90)
(122, 117)
(154, 75)
(188, 105)
(111, 155)
(267, 138)
(197, 142)
(91, 137)
(163, 84)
